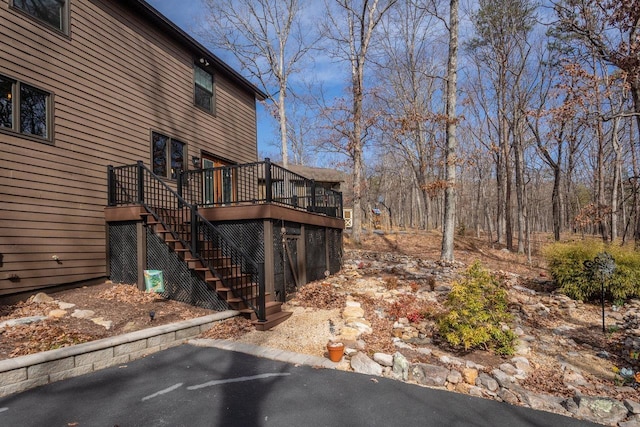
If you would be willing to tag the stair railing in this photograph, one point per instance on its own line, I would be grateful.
(137, 184)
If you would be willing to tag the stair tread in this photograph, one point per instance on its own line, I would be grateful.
(272, 320)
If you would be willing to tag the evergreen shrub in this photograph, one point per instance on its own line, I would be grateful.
(477, 314)
(566, 265)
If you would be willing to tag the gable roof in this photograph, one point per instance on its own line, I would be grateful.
(148, 12)
(318, 174)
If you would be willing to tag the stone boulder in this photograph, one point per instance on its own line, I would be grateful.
(362, 364)
(602, 410)
(430, 375)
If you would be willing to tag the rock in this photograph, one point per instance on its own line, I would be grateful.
(475, 391)
(83, 314)
(349, 334)
(351, 311)
(401, 344)
(522, 348)
(454, 377)
(447, 360)
(633, 421)
(400, 366)
(57, 314)
(504, 380)
(65, 305)
(602, 410)
(442, 288)
(462, 388)
(41, 297)
(470, 375)
(525, 290)
(571, 378)
(357, 345)
(545, 402)
(508, 369)
(521, 363)
(508, 396)
(632, 406)
(104, 323)
(430, 375)
(362, 364)
(383, 359)
(21, 321)
(487, 382)
(424, 351)
(130, 326)
(361, 326)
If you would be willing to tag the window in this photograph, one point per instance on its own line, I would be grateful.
(24, 108)
(203, 90)
(167, 155)
(51, 12)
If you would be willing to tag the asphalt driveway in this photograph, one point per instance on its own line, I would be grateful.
(195, 386)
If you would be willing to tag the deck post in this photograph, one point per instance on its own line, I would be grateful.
(262, 307)
(267, 180)
(313, 195)
(111, 197)
(179, 188)
(140, 169)
(194, 230)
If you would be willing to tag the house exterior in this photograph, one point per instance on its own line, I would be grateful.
(89, 84)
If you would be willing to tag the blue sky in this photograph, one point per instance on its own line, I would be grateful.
(186, 15)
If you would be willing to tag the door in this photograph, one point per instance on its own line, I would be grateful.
(218, 181)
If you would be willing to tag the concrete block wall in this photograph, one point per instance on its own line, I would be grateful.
(34, 370)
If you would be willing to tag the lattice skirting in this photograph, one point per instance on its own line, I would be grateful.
(181, 284)
(123, 254)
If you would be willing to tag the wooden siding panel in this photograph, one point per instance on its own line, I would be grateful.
(114, 80)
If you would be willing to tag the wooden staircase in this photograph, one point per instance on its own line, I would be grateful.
(218, 271)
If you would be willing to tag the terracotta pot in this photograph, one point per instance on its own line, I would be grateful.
(336, 350)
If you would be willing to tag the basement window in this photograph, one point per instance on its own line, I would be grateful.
(54, 13)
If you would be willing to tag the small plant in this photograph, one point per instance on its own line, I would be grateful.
(477, 312)
(415, 317)
(403, 306)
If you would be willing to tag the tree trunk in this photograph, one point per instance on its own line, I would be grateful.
(282, 117)
(519, 163)
(616, 180)
(449, 218)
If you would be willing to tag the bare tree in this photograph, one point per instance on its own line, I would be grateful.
(448, 224)
(351, 25)
(413, 119)
(268, 40)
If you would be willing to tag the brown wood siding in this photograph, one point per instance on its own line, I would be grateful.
(114, 79)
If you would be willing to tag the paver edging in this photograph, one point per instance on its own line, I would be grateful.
(25, 362)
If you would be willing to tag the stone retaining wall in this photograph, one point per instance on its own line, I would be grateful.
(34, 370)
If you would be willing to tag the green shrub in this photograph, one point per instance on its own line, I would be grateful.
(566, 265)
(476, 312)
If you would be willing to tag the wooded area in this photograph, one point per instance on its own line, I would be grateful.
(547, 115)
